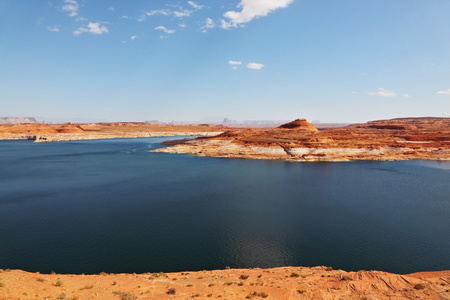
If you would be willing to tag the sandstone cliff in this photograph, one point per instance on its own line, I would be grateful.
(398, 139)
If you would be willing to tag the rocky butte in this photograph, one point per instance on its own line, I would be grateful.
(396, 139)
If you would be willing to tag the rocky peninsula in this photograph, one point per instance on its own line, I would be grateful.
(42, 132)
(396, 139)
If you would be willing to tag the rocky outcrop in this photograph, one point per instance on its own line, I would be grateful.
(407, 124)
(358, 142)
(299, 124)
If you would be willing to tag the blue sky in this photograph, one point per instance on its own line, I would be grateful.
(333, 61)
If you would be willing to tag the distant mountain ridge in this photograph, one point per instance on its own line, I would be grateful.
(17, 120)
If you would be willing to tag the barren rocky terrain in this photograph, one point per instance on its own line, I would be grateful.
(275, 283)
(397, 139)
(41, 132)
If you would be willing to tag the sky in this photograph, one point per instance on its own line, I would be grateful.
(203, 60)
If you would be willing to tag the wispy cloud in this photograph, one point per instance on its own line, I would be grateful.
(168, 31)
(183, 13)
(195, 5)
(386, 93)
(54, 28)
(447, 92)
(94, 28)
(252, 9)
(182, 25)
(164, 12)
(255, 66)
(234, 64)
(133, 37)
(71, 7)
(175, 10)
(209, 24)
(111, 8)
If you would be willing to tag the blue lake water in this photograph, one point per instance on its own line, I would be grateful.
(112, 206)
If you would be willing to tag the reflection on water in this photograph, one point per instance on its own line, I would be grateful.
(440, 164)
(92, 206)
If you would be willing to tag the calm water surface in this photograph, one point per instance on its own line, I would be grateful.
(110, 205)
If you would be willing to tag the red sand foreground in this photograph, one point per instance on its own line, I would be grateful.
(275, 283)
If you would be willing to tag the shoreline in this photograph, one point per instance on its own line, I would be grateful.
(384, 140)
(64, 137)
(227, 149)
(254, 283)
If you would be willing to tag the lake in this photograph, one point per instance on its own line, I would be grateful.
(113, 206)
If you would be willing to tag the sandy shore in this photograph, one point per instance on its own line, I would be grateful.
(274, 283)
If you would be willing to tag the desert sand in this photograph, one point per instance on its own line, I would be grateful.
(274, 283)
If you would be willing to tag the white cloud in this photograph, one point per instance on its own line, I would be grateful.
(176, 11)
(195, 5)
(125, 17)
(209, 24)
(386, 93)
(182, 25)
(181, 14)
(111, 8)
(447, 92)
(252, 9)
(54, 28)
(382, 93)
(232, 62)
(168, 31)
(71, 7)
(80, 31)
(227, 25)
(133, 37)
(255, 66)
(164, 12)
(94, 28)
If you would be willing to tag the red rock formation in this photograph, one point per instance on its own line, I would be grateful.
(398, 139)
(299, 124)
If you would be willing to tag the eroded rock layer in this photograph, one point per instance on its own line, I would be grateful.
(398, 139)
(68, 132)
